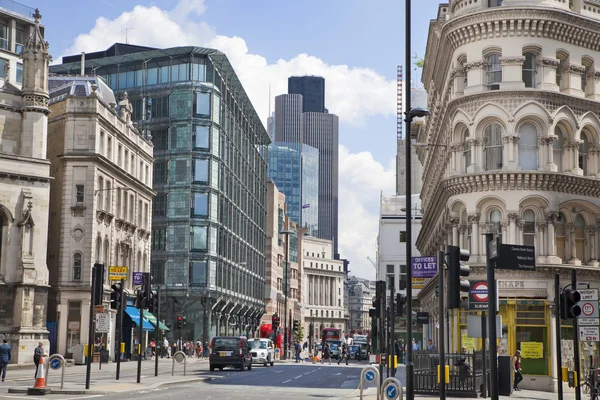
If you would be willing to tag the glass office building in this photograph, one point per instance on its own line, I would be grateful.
(208, 226)
(294, 168)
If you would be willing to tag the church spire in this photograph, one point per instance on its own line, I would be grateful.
(36, 61)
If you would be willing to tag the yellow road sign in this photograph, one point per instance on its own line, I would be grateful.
(117, 273)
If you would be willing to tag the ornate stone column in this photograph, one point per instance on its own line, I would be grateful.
(592, 241)
(512, 75)
(541, 239)
(520, 226)
(472, 144)
(461, 236)
(473, 219)
(546, 72)
(572, 151)
(512, 235)
(547, 144)
(573, 260)
(510, 158)
(474, 72)
(454, 224)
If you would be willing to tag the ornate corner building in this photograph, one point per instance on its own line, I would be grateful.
(24, 183)
(514, 92)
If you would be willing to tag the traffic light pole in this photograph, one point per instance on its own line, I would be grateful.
(576, 340)
(557, 306)
(120, 326)
(90, 349)
(158, 339)
(492, 310)
(140, 333)
(392, 326)
(442, 325)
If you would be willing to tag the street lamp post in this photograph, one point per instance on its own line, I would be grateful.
(285, 291)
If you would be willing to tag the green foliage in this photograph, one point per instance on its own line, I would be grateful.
(299, 334)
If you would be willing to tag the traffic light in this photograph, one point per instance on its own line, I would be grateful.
(311, 330)
(569, 307)
(295, 324)
(275, 322)
(457, 270)
(184, 321)
(373, 312)
(379, 297)
(139, 298)
(98, 272)
(400, 305)
(146, 286)
(115, 296)
(179, 321)
(153, 302)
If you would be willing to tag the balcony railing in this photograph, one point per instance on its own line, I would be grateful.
(17, 8)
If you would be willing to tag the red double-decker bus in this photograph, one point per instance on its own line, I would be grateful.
(331, 334)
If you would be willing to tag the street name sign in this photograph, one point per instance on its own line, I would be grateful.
(589, 333)
(515, 257)
(422, 318)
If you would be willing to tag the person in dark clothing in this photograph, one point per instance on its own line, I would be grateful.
(517, 368)
(464, 369)
(4, 358)
(344, 354)
(38, 353)
(326, 353)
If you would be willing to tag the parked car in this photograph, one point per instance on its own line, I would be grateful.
(363, 352)
(353, 351)
(336, 348)
(229, 351)
(262, 351)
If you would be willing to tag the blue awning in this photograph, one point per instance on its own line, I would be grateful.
(134, 314)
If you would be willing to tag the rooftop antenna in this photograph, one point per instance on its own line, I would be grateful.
(126, 31)
(269, 99)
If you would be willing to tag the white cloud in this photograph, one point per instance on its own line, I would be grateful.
(361, 180)
(352, 93)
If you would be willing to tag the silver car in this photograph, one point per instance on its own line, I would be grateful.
(263, 351)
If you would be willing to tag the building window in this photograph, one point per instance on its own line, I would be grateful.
(201, 137)
(529, 70)
(158, 107)
(157, 270)
(561, 236)
(159, 239)
(199, 204)
(494, 71)
(492, 151)
(583, 152)
(203, 104)
(19, 40)
(557, 148)
(495, 220)
(200, 171)
(529, 228)
(198, 238)
(100, 192)
(79, 194)
(528, 147)
(77, 267)
(402, 236)
(109, 147)
(3, 63)
(198, 273)
(107, 196)
(494, 3)
(466, 150)
(160, 172)
(580, 228)
(19, 73)
(4, 37)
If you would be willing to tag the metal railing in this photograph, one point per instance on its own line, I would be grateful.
(17, 8)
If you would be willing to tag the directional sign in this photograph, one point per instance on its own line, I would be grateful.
(390, 391)
(55, 363)
(423, 318)
(478, 295)
(137, 278)
(117, 273)
(511, 256)
(370, 375)
(424, 267)
(589, 333)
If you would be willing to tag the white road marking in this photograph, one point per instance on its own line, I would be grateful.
(289, 380)
(299, 376)
(278, 371)
(339, 373)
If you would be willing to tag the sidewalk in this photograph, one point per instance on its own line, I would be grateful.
(371, 394)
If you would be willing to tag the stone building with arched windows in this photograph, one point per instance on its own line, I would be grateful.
(514, 90)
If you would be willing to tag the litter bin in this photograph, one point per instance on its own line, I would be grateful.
(103, 356)
(505, 375)
(78, 357)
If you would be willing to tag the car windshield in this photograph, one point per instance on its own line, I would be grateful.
(226, 344)
(257, 344)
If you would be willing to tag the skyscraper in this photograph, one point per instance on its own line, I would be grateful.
(318, 130)
(209, 215)
(312, 89)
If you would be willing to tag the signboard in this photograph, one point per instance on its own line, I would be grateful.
(474, 327)
(137, 278)
(512, 256)
(55, 363)
(370, 376)
(99, 309)
(589, 308)
(423, 318)
(468, 342)
(117, 273)
(418, 283)
(532, 350)
(103, 322)
(478, 295)
(588, 321)
(493, 247)
(588, 294)
(589, 333)
(424, 267)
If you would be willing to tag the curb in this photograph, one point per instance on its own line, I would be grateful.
(62, 391)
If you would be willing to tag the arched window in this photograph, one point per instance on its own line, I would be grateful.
(529, 70)
(561, 237)
(528, 147)
(466, 150)
(529, 228)
(580, 239)
(558, 148)
(495, 219)
(98, 249)
(583, 152)
(106, 259)
(139, 262)
(492, 151)
(494, 71)
(77, 267)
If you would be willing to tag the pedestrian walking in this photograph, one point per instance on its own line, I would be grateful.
(165, 349)
(315, 354)
(430, 345)
(517, 368)
(344, 354)
(153, 347)
(326, 353)
(198, 349)
(38, 353)
(298, 349)
(4, 358)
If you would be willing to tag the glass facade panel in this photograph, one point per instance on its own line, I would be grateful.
(4, 37)
(152, 78)
(199, 72)
(216, 112)
(213, 241)
(2, 66)
(198, 238)
(215, 174)
(19, 73)
(214, 207)
(203, 104)
(198, 273)
(163, 74)
(200, 205)
(201, 136)
(200, 170)
(216, 141)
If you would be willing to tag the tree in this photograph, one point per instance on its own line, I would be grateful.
(299, 334)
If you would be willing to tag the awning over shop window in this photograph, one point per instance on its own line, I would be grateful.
(134, 314)
(148, 315)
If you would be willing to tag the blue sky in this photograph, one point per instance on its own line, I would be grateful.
(356, 45)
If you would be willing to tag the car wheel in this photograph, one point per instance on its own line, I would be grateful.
(266, 362)
(220, 368)
(212, 368)
(272, 362)
(242, 366)
(250, 366)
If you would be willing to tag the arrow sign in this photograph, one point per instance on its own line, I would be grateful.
(370, 375)
(391, 392)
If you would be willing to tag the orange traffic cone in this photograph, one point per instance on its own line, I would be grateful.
(40, 379)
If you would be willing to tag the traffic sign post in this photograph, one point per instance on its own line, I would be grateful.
(589, 310)
(369, 374)
(57, 361)
(589, 333)
(392, 389)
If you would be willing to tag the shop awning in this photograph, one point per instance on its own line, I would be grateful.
(148, 315)
(134, 314)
